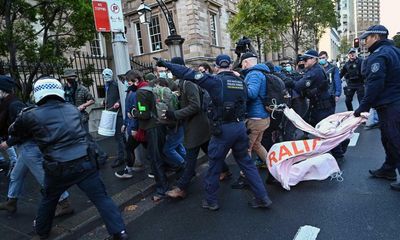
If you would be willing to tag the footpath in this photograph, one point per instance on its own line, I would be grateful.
(124, 192)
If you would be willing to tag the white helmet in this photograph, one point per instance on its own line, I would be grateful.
(47, 86)
(107, 74)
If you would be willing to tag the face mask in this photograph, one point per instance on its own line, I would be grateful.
(163, 75)
(170, 76)
(288, 68)
(126, 84)
(322, 61)
(301, 66)
(2, 95)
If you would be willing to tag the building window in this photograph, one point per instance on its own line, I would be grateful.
(95, 46)
(213, 29)
(155, 34)
(139, 39)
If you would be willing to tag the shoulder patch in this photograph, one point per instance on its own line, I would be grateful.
(198, 75)
(308, 83)
(375, 67)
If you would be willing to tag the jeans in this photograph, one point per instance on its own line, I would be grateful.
(30, 158)
(12, 155)
(88, 180)
(155, 142)
(173, 148)
(234, 136)
(119, 138)
(191, 163)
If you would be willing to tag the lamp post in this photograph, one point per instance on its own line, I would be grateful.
(173, 41)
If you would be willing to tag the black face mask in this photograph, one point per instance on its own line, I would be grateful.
(301, 66)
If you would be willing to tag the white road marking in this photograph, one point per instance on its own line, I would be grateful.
(354, 139)
(307, 232)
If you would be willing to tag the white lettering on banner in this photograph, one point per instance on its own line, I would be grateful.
(116, 16)
(285, 150)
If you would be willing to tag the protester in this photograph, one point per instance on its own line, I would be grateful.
(133, 134)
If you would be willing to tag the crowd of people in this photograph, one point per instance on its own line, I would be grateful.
(179, 111)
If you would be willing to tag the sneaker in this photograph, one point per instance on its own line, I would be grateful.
(124, 174)
(257, 203)
(209, 206)
(63, 208)
(119, 236)
(176, 193)
(150, 175)
(382, 173)
(395, 186)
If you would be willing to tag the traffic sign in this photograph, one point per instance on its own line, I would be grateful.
(101, 18)
(116, 16)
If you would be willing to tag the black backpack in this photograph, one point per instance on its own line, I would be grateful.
(276, 91)
(205, 98)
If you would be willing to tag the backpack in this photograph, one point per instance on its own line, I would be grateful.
(205, 98)
(276, 91)
(165, 100)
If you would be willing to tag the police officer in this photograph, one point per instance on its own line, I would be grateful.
(314, 85)
(57, 129)
(382, 71)
(351, 71)
(227, 112)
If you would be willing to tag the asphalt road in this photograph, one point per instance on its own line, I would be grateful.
(359, 207)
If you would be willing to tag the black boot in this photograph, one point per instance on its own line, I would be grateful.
(10, 205)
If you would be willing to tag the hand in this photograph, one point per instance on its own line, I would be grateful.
(337, 99)
(3, 145)
(130, 115)
(81, 107)
(133, 133)
(116, 105)
(357, 113)
(169, 115)
(160, 62)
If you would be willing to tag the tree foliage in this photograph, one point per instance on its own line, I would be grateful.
(260, 19)
(309, 19)
(41, 31)
(396, 40)
(345, 45)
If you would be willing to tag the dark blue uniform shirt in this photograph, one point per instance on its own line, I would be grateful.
(382, 70)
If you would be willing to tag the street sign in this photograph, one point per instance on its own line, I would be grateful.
(101, 19)
(116, 16)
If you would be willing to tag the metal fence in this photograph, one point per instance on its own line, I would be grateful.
(89, 69)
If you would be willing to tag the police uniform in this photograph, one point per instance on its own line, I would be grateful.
(57, 129)
(314, 85)
(382, 69)
(227, 112)
(351, 71)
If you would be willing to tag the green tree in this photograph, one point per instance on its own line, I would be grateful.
(40, 31)
(260, 20)
(345, 45)
(308, 21)
(396, 40)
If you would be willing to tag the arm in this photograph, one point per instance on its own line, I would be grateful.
(343, 72)
(304, 83)
(205, 81)
(375, 82)
(338, 82)
(17, 130)
(253, 84)
(192, 94)
(89, 100)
